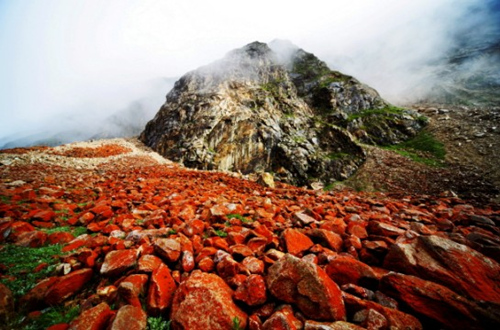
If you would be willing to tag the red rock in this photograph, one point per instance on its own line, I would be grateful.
(82, 240)
(45, 215)
(227, 267)
(395, 318)
(128, 294)
(296, 281)
(60, 238)
(138, 282)
(370, 319)
(103, 211)
(343, 270)
(34, 298)
(32, 239)
(257, 244)
(326, 238)
(118, 262)
(253, 265)
(95, 318)
(254, 322)
(67, 285)
(187, 261)
(161, 290)
(204, 301)
(384, 229)
(148, 263)
(253, 291)
(446, 262)
(302, 219)
(206, 264)
(59, 326)
(19, 227)
(437, 302)
(167, 248)
(86, 218)
(339, 325)
(335, 225)
(357, 230)
(129, 318)
(296, 242)
(283, 319)
(240, 251)
(6, 303)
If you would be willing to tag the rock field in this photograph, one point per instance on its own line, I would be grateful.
(140, 240)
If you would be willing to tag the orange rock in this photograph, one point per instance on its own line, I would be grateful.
(67, 285)
(129, 317)
(344, 270)
(296, 281)
(187, 261)
(296, 242)
(32, 239)
(167, 248)
(117, 262)
(252, 291)
(206, 264)
(148, 263)
(95, 318)
(326, 238)
(283, 319)
(60, 238)
(161, 290)
(34, 298)
(204, 301)
(253, 265)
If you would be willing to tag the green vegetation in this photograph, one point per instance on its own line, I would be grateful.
(239, 216)
(387, 111)
(52, 315)
(220, 233)
(75, 231)
(158, 323)
(172, 232)
(5, 199)
(21, 262)
(236, 324)
(423, 148)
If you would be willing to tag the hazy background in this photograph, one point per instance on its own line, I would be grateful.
(74, 67)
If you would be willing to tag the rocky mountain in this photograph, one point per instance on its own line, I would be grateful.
(275, 108)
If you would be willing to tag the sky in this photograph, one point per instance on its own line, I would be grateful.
(86, 59)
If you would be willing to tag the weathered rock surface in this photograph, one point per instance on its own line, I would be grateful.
(451, 264)
(258, 111)
(204, 301)
(302, 283)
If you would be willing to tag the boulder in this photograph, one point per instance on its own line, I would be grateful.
(129, 317)
(437, 302)
(204, 301)
(344, 270)
(283, 318)
(67, 285)
(161, 290)
(296, 242)
(119, 261)
(305, 284)
(443, 261)
(95, 318)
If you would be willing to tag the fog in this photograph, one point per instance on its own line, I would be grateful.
(72, 67)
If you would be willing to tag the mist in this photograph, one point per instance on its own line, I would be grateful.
(73, 70)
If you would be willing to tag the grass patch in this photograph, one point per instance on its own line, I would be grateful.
(158, 323)
(5, 199)
(236, 324)
(220, 233)
(240, 217)
(337, 155)
(389, 110)
(423, 148)
(75, 231)
(21, 262)
(52, 315)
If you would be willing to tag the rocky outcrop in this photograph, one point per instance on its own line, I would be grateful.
(274, 108)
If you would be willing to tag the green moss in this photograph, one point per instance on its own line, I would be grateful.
(220, 233)
(239, 216)
(386, 111)
(337, 155)
(158, 323)
(21, 262)
(50, 316)
(423, 148)
(75, 231)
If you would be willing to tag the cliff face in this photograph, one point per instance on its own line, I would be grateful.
(282, 111)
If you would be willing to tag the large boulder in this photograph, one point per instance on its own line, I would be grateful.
(259, 111)
(456, 266)
(204, 301)
(306, 285)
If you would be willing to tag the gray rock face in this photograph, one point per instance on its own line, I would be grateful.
(260, 109)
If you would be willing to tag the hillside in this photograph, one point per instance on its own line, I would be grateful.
(109, 234)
